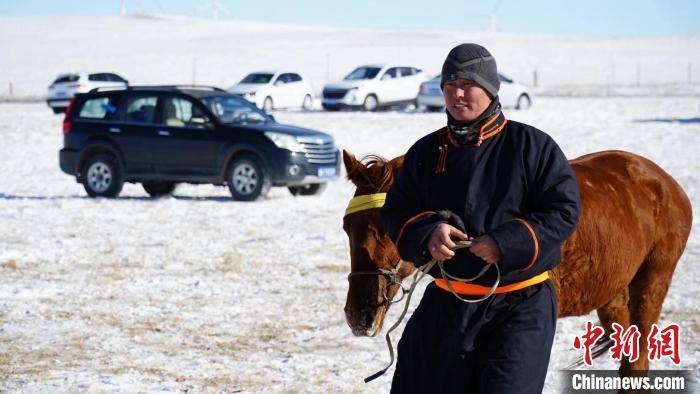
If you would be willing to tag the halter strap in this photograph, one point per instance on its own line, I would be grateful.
(367, 201)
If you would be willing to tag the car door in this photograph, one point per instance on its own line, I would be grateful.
(135, 130)
(507, 93)
(283, 91)
(409, 87)
(389, 90)
(297, 88)
(187, 142)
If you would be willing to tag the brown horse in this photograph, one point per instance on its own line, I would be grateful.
(634, 224)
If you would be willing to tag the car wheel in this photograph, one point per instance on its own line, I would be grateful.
(102, 176)
(308, 103)
(432, 108)
(370, 103)
(246, 179)
(159, 189)
(267, 104)
(312, 189)
(57, 110)
(523, 102)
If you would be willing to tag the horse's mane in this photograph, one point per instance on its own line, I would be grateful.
(379, 173)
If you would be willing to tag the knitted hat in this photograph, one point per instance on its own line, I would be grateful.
(473, 63)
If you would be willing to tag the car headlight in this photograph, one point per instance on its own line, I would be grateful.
(285, 141)
(351, 94)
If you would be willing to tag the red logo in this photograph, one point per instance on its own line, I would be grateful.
(587, 340)
(626, 342)
(664, 343)
(660, 342)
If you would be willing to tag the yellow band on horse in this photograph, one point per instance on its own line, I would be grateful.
(367, 201)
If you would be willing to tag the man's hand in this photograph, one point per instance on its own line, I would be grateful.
(486, 248)
(440, 244)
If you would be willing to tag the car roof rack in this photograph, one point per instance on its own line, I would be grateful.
(157, 87)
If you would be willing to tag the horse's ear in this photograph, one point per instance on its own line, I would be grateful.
(353, 167)
(396, 164)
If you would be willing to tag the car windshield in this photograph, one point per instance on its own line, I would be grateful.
(231, 109)
(363, 73)
(257, 78)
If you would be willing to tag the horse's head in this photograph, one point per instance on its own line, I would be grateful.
(372, 254)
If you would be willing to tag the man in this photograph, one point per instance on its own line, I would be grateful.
(509, 188)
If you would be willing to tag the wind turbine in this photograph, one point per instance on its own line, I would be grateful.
(492, 16)
(215, 6)
(122, 8)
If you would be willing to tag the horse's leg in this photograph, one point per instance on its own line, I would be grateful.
(615, 311)
(648, 290)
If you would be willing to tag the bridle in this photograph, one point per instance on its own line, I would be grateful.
(369, 201)
(377, 200)
(392, 278)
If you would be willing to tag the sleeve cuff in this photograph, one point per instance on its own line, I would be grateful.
(518, 244)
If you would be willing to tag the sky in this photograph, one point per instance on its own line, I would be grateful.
(592, 17)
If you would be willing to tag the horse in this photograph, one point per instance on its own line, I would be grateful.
(634, 224)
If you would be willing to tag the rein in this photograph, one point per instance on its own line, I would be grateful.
(377, 200)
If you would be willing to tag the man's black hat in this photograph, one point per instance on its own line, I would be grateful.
(474, 63)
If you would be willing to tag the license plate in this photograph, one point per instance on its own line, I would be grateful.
(61, 94)
(330, 101)
(325, 172)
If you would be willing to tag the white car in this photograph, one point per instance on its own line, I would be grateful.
(270, 90)
(373, 86)
(62, 90)
(511, 94)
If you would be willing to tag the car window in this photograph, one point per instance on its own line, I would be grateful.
(180, 112)
(363, 73)
(97, 77)
(140, 109)
(505, 79)
(283, 78)
(390, 73)
(97, 108)
(67, 78)
(232, 109)
(257, 78)
(115, 78)
(295, 77)
(406, 71)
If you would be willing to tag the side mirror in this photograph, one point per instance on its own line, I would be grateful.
(279, 83)
(386, 77)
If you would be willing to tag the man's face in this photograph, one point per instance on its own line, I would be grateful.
(464, 99)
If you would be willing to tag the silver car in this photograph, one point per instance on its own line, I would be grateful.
(62, 90)
(511, 94)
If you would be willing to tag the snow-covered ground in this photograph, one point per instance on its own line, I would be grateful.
(200, 292)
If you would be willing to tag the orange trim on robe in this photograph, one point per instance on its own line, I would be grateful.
(534, 240)
(409, 221)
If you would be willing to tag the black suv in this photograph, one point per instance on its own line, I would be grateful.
(162, 135)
